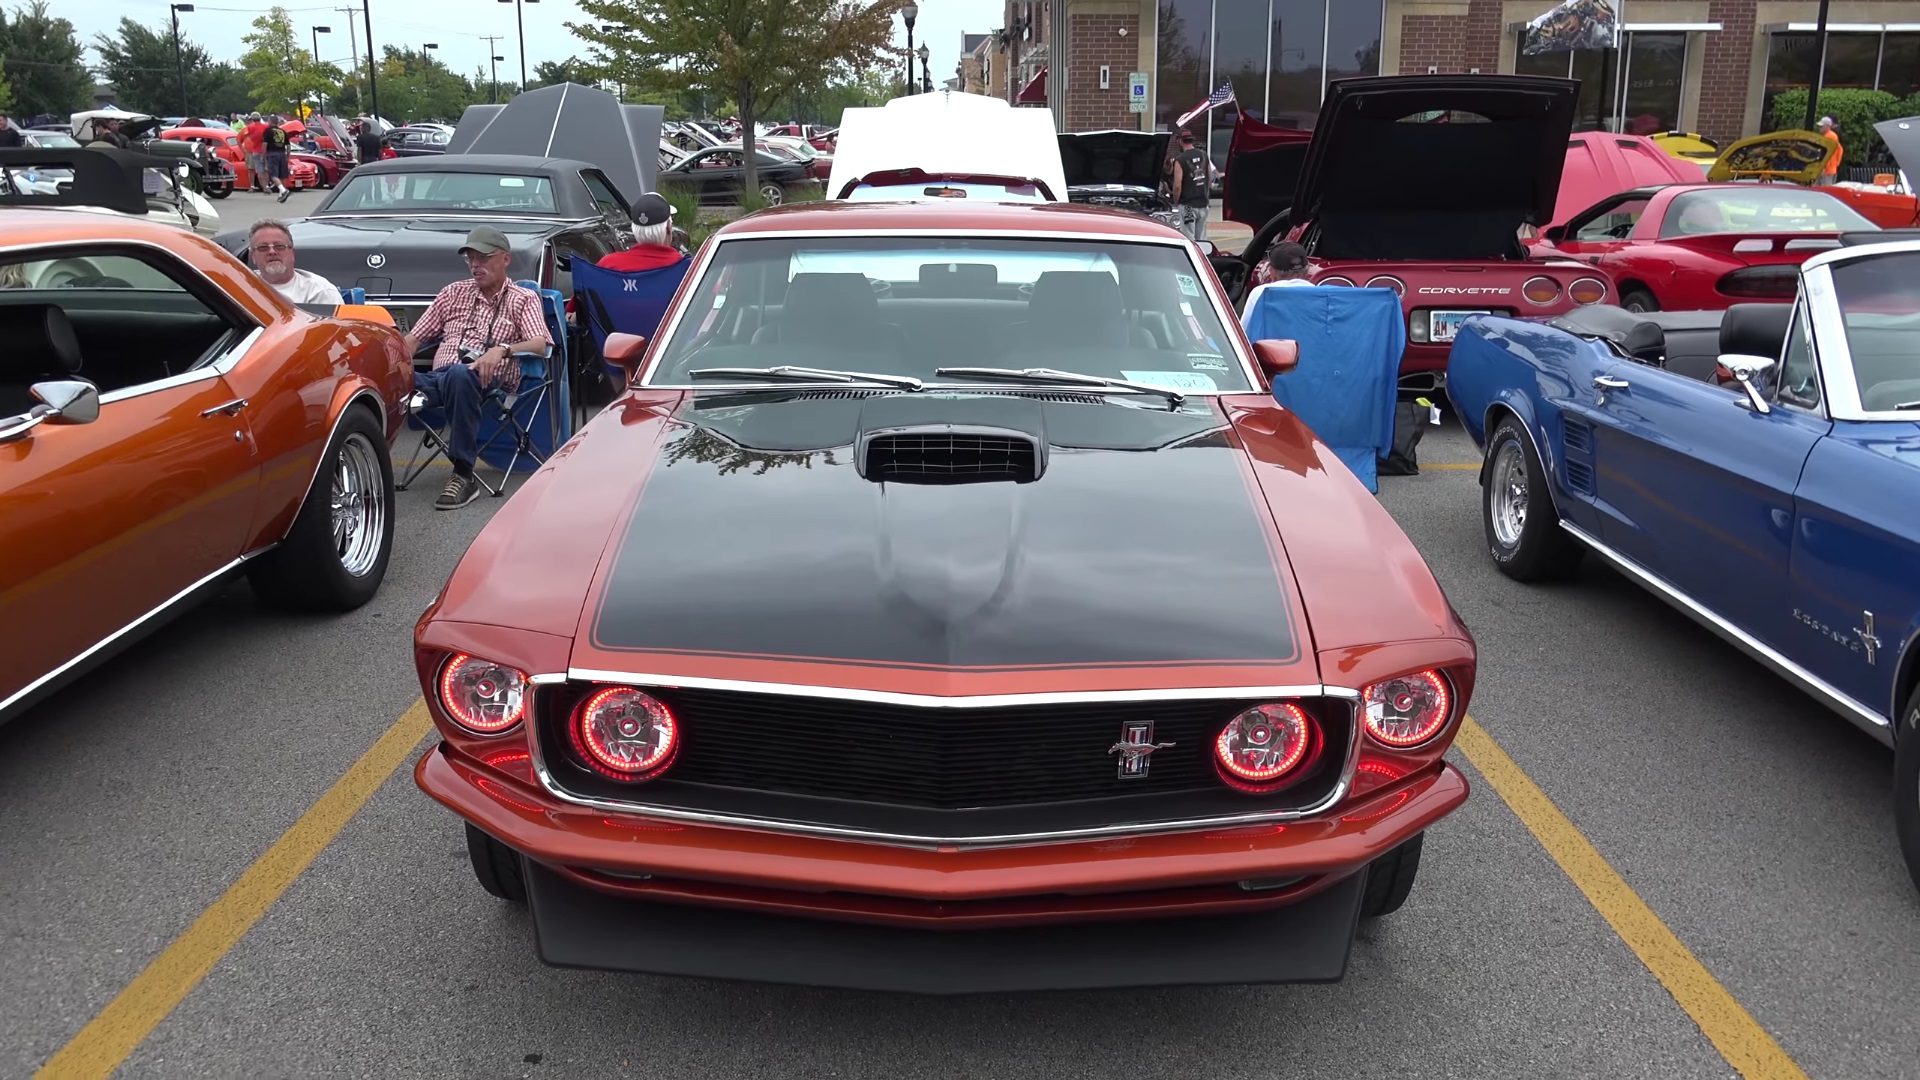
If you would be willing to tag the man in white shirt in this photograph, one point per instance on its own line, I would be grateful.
(1289, 262)
(271, 245)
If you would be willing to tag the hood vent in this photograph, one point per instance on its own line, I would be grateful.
(950, 454)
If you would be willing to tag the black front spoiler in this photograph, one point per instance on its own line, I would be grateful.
(584, 928)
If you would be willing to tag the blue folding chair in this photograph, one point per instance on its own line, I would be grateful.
(626, 303)
(355, 295)
(1345, 385)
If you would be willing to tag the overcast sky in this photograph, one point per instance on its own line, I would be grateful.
(218, 27)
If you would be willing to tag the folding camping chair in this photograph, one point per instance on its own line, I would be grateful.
(628, 303)
(509, 414)
(355, 295)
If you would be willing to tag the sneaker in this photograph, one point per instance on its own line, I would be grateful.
(284, 192)
(459, 491)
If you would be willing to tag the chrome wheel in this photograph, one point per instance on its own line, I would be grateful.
(358, 504)
(1507, 497)
(773, 193)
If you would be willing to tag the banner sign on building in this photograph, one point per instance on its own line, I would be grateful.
(1576, 24)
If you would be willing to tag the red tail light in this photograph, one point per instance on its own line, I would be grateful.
(1402, 713)
(1762, 282)
(1541, 290)
(481, 696)
(1264, 745)
(625, 734)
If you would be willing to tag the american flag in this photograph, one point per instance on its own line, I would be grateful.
(1214, 100)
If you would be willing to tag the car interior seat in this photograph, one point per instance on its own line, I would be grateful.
(835, 311)
(41, 347)
(1755, 329)
(1078, 308)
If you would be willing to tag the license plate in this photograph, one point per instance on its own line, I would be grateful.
(1444, 325)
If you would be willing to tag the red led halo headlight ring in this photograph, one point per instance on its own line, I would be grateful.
(1265, 745)
(1405, 712)
(624, 734)
(483, 697)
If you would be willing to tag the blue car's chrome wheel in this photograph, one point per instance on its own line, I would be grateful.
(1507, 497)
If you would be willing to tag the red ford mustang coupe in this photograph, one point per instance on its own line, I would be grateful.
(947, 606)
(1702, 247)
(1420, 184)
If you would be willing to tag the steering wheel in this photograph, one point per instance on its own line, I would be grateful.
(1256, 248)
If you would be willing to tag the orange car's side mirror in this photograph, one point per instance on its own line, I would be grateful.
(1276, 357)
(626, 351)
(372, 313)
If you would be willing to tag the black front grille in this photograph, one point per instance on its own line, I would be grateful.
(950, 457)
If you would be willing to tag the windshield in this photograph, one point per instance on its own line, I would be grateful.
(54, 141)
(1759, 209)
(392, 191)
(1879, 298)
(907, 306)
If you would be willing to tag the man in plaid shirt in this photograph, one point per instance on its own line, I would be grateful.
(480, 323)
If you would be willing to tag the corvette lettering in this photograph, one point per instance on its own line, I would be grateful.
(1454, 290)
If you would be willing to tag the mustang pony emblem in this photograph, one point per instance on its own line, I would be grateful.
(1867, 637)
(376, 260)
(1136, 745)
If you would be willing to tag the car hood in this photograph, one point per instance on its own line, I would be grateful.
(1777, 155)
(1903, 142)
(1434, 166)
(568, 120)
(402, 256)
(1601, 164)
(1263, 169)
(1129, 158)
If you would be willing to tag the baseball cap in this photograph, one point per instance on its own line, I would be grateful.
(1288, 256)
(1827, 121)
(486, 240)
(652, 209)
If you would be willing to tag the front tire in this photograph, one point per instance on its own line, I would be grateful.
(336, 553)
(218, 191)
(1390, 879)
(1906, 785)
(1523, 532)
(496, 867)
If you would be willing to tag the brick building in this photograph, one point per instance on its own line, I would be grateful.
(1711, 66)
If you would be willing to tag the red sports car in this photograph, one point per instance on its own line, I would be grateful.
(225, 145)
(1701, 247)
(1420, 184)
(861, 645)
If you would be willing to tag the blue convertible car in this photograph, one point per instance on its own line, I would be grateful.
(1759, 469)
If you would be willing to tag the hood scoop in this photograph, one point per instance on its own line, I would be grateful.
(949, 454)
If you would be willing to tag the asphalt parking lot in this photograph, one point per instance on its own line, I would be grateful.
(1672, 866)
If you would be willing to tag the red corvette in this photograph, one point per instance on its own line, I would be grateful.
(855, 647)
(224, 144)
(1420, 184)
(1701, 247)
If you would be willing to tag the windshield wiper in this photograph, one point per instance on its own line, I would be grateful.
(805, 374)
(1905, 405)
(1054, 375)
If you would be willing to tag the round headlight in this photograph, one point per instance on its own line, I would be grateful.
(484, 697)
(1407, 711)
(624, 733)
(1388, 281)
(1264, 744)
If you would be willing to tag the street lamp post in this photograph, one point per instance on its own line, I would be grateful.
(520, 23)
(373, 83)
(317, 31)
(926, 79)
(179, 66)
(494, 66)
(910, 13)
(1819, 70)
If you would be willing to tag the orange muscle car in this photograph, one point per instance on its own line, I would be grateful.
(168, 421)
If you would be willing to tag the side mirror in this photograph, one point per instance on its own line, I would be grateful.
(1207, 248)
(1555, 235)
(1745, 369)
(1276, 357)
(65, 401)
(373, 313)
(625, 351)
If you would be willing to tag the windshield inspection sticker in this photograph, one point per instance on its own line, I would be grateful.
(1188, 284)
(1200, 361)
(1172, 380)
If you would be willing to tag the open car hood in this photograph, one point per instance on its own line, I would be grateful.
(1128, 158)
(570, 121)
(1263, 169)
(1434, 166)
(1777, 155)
(1903, 142)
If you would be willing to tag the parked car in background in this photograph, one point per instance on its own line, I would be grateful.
(420, 140)
(1120, 170)
(109, 181)
(717, 176)
(169, 423)
(1773, 496)
(1488, 150)
(948, 146)
(302, 174)
(1689, 247)
(816, 135)
(1798, 157)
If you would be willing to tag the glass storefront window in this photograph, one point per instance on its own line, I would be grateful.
(1294, 81)
(1186, 44)
(1277, 54)
(1656, 72)
(1900, 65)
(1353, 40)
(1889, 62)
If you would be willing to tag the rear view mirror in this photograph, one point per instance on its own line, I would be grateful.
(625, 351)
(1276, 357)
(1745, 369)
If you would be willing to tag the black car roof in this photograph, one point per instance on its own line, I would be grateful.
(475, 163)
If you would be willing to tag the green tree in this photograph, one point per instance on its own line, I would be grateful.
(756, 51)
(40, 57)
(414, 85)
(280, 72)
(138, 63)
(6, 96)
(219, 90)
(548, 73)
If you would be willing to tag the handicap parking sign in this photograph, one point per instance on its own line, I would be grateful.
(1137, 92)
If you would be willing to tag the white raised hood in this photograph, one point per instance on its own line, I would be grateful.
(948, 134)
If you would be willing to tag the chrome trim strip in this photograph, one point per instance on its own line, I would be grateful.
(704, 258)
(550, 678)
(226, 362)
(107, 641)
(837, 832)
(1878, 726)
(981, 701)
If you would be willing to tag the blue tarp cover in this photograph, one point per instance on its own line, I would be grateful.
(1349, 372)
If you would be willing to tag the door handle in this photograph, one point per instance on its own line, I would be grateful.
(1608, 382)
(231, 408)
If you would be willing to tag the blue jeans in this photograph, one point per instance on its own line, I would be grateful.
(455, 391)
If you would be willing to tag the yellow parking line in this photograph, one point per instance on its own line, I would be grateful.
(1452, 466)
(1733, 1031)
(131, 1016)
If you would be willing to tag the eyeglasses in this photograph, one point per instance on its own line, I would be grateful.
(268, 249)
(479, 257)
